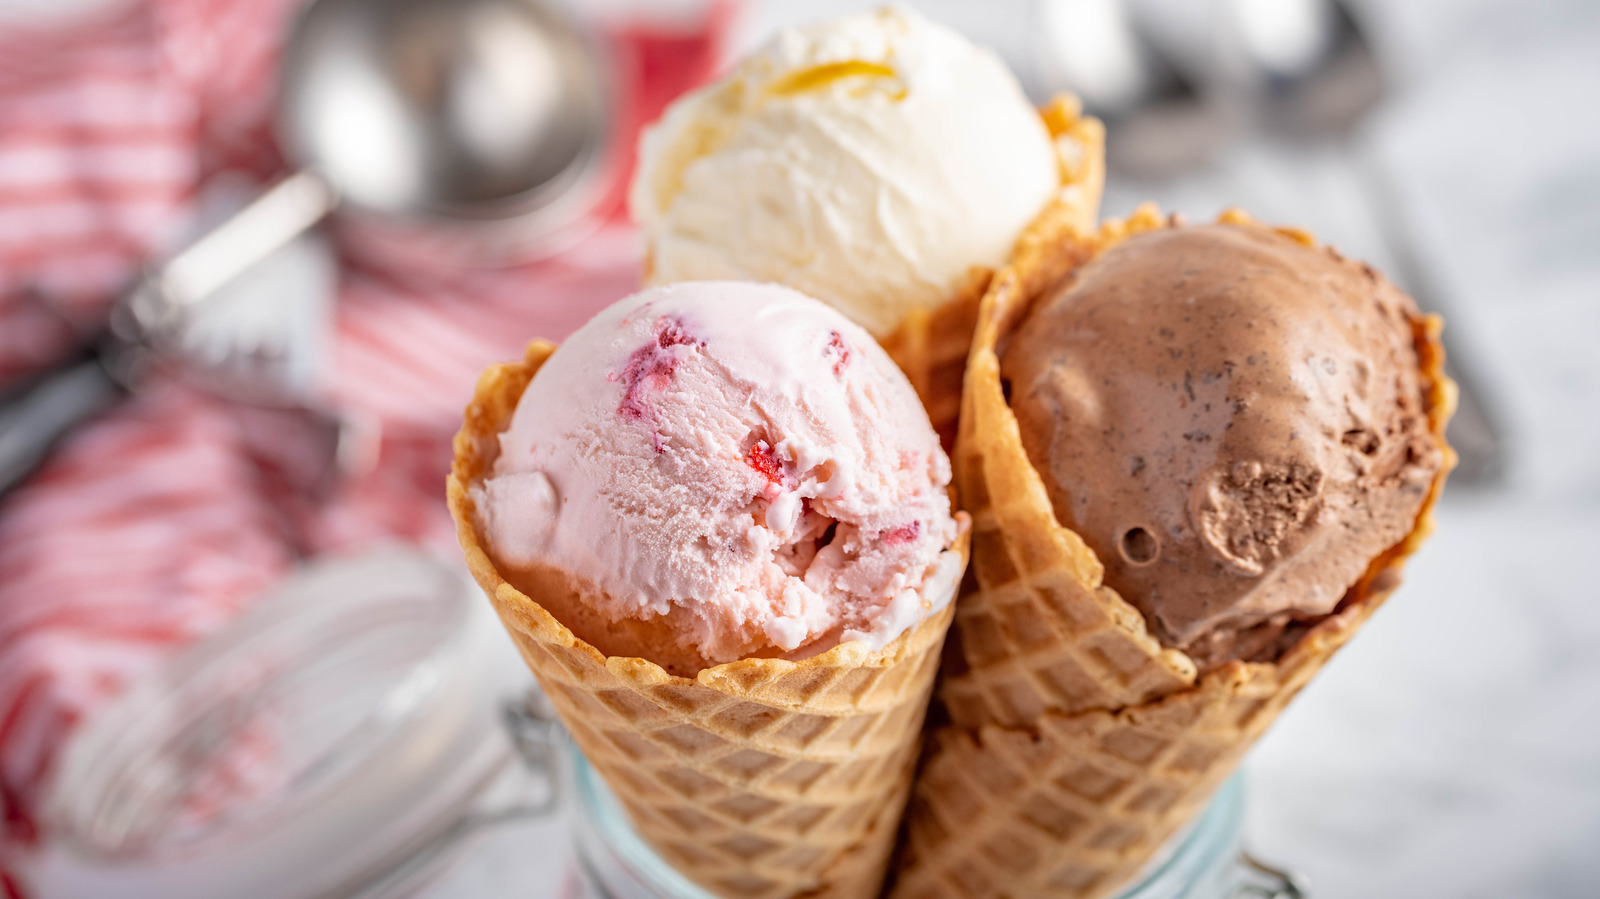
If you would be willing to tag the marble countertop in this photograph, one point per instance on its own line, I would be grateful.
(1453, 750)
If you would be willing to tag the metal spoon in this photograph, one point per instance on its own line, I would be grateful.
(1312, 73)
(483, 117)
(1157, 121)
(1306, 64)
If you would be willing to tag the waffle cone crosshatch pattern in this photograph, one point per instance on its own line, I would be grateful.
(761, 777)
(1077, 745)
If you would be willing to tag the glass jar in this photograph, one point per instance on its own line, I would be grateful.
(337, 740)
(348, 738)
(1205, 861)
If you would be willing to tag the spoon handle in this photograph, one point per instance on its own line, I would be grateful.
(250, 235)
(36, 416)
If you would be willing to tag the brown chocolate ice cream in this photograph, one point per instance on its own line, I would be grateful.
(1233, 421)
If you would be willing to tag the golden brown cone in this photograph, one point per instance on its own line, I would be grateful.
(931, 344)
(759, 778)
(1078, 745)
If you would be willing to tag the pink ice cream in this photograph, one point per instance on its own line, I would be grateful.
(723, 470)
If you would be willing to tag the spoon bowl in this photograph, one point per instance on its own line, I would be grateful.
(477, 125)
(1158, 123)
(1307, 63)
(467, 109)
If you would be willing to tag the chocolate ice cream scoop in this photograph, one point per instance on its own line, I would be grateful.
(1233, 420)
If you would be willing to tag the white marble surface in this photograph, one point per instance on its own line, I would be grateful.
(1453, 750)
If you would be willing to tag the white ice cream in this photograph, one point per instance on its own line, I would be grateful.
(870, 161)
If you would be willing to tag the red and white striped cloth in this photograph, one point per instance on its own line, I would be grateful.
(158, 522)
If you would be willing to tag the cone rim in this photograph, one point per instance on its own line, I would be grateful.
(495, 398)
(1045, 258)
(1082, 183)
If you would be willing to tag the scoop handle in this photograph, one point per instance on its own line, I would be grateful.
(36, 415)
(264, 226)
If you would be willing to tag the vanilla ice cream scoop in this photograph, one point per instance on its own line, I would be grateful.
(723, 470)
(871, 161)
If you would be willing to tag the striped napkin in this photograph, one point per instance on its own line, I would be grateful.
(166, 517)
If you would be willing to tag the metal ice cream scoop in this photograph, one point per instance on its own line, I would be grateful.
(467, 114)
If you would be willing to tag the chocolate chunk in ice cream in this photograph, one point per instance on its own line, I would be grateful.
(1233, 420)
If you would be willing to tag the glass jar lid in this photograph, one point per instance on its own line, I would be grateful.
(305, 749)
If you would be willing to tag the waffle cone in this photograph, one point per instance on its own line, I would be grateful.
(1077, 745)
(756, 778)
(931, 344)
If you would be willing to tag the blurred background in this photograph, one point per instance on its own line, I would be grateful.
(302, 407)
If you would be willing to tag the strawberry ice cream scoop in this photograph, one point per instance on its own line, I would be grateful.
(721, 470)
